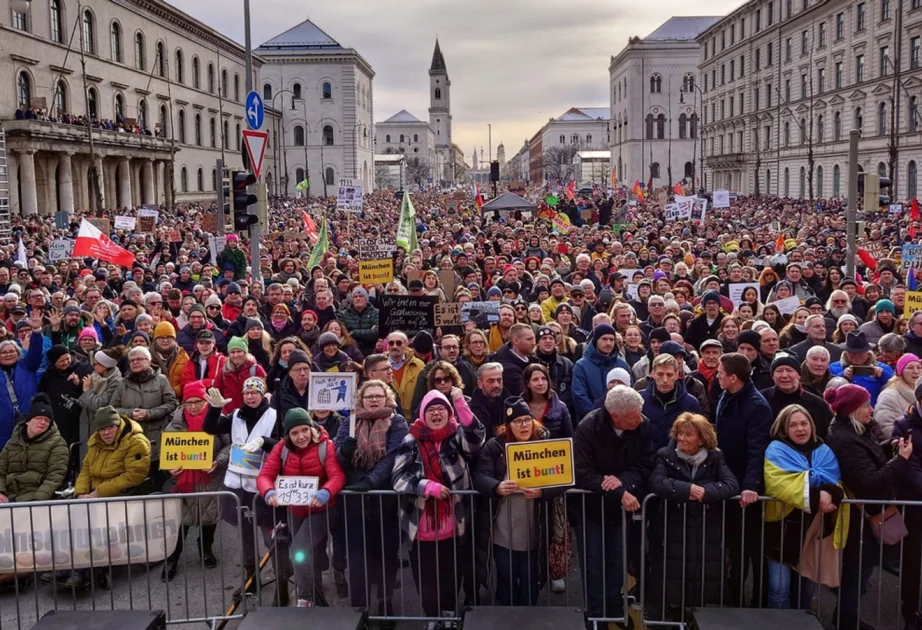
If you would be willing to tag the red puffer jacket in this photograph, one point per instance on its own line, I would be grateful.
(230, 381)
(303, 463)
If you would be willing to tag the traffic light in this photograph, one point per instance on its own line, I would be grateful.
(242, 200)
(884, 188)
(871, 193)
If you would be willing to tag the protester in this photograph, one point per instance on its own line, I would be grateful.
(898, 395)
(34, 462)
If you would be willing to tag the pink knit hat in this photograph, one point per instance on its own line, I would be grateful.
(846, 399)
(90, 331)
(905, 360)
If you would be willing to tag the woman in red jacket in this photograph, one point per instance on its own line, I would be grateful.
(307, 451)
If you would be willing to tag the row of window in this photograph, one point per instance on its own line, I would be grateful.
(688, 127)
(655, 170)
(404, 138)
(89, 44)
(327, 141)
(819, 181)
(575, 138)
(326, 92)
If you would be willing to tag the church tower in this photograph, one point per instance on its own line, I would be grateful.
(475, 165)
(440, 112)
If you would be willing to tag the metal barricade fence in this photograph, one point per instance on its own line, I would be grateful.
(111, 554)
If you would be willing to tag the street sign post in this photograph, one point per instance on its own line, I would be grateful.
(255, 112)
(255, 143)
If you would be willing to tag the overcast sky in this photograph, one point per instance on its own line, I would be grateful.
(512, 63)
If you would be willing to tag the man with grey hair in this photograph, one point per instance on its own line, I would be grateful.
(913, 334)
(614, 454)
(487, 402)
(815, 327)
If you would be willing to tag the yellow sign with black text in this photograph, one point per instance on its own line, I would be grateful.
(913, 303)
(541, 464)
(376, 271)
(189, 450)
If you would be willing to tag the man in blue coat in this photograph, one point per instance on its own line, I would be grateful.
(590, 372)
(665, 398)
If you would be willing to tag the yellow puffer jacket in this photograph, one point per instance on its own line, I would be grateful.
(113, 469)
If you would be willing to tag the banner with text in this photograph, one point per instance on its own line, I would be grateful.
(349, 197)
(541, 464)
(405, 313)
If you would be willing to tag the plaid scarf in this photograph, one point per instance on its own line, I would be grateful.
(371, 429)
(429, 441)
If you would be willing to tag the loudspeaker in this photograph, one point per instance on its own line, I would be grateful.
(494, 171)
(752, 619)
(533, 618)
(102, 620)
(300, 618)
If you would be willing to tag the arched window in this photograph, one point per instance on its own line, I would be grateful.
(574, 138)
(236, 87)
(182, 126)
(238, 136)
(683, 130)
(688, 83)
(661, 126)
(438, 94)
(330, 176)
(768, 181)
(654, 170)
(296, 91)
(820, 136)
(299, 136)
(214, 179)
(415, 137)
(656, 84)
(803, 131)
(859, 119)
(57, 19)
(184, 180)
(689, 169)
(787, 182)
(819, 181)
(694, 126)
(24, 90)
(882, 119)
(837, 126)
(299, 175)
(211, 78)
(387, 138)
(913, 114)
(649, 127)
(881, 169)
(224, 92)
(93, 102)
(162, 122)
(89, 32)
(180, 69)
(327, 90)
(836, 180)
(213, 133)
(225, 136)
(912, 176)
(267, 93)
(200, 180)
(139, 62)
(60, 98)
(801, 191)
(563, 139)
(142, 114)
(161, 60)
(787, 135)
(588, 138)
(119, 108)
(198, 129)
(196, 74)
(328, 135)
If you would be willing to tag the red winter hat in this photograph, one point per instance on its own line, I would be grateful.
(195, 389)
(846, 399)
(507, 268)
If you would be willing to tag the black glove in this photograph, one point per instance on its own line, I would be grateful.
(349, 447)
(361, 486)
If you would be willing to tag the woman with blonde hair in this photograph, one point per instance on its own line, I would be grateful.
(566, 346)
(794, 332)
(476, 347)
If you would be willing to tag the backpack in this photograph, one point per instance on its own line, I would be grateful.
(321, 453)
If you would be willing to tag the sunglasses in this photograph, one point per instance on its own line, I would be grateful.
(395, 342)
(441, 380)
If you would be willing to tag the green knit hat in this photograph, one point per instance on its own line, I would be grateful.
(296, 417)
(105, 417)
(238, 343)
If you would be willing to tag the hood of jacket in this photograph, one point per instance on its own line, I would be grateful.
(592, 354)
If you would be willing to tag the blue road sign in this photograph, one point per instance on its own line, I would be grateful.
(255, 112)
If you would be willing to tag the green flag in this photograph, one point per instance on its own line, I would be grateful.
(321, 247)
(552, 201)
(406, 228)
(305, 185)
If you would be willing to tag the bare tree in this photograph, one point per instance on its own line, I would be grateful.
(557, 162)
(418, 171)
(384, 177)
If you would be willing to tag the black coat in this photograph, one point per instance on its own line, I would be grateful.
(817, 407)
(743, 421)
(800, 349)
(513, 368)
(489, 412)
(698, 330)
(64, 394)
(561, 371)
(690, 531)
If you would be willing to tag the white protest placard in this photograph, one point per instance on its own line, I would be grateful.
(630, 290)
(896, 208)
(332, 391)
(60, 250)
(737, 289)
(721, 198)
(671, 211)
(629, 274)
(349, 197)
(125, 223)
(376, 248)
(296, 490)
(480, 311)
(788, 305)
(699, 209)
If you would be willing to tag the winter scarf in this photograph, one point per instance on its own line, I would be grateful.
(437, 509)
(189, 480)
(164, 360)
(371, 429)
(706, 372)
(693, 461)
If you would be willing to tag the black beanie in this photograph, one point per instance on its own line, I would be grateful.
(41, 406)
(660, 334)
(55, 352)
(751, 338)
(297, 356)
(789, 359)
(516, 408)
(422, 343)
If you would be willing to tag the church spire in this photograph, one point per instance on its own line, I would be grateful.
(438, 61)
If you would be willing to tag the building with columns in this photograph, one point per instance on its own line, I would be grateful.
(654, 120)
(147, 66)
(322, 92)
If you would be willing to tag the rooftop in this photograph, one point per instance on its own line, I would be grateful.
(304, 36)
(438, 61)
(403, 116)
(682, 28)
(585, 113)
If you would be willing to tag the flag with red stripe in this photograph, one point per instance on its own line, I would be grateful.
(91, 243)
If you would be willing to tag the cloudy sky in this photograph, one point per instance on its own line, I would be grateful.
(512, 63)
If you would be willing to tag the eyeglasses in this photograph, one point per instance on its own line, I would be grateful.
(521, 422)
(374, 397)
(449, 348)
(840, 301)
(442, 380)
(395, 342)
(213, 308)
(194, 403)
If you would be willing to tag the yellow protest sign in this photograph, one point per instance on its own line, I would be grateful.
(376, 271)
(912, 304)
(541, 464)
(188, 450)
(561, 223)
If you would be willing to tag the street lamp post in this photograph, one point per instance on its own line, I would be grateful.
(698, 128)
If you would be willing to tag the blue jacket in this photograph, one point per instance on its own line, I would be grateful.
(872, 384)
(25, 384)
(662, 416)
(589, 379)
(557, 418)
(743, 421)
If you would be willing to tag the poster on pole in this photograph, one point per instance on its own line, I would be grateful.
(332, 391)
(911, 258)
(738, 289)
(60, 250)
(721, 198)
(376, 248)
(125, 223)
(480, 312)
(349, 197)
(913, 304)
(699, 209)
(406, 313)
(541, 464)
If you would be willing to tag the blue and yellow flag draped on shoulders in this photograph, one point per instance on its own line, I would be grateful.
(789, 475)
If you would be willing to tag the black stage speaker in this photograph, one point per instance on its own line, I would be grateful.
(753, 619)
(533, 618)
(102, 620)
(301, 618)
(494, 171)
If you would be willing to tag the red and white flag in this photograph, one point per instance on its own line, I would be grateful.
(92, 243)
(310, 226)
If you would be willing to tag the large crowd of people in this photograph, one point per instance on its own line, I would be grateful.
(670, 352)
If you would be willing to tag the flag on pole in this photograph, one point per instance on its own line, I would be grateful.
(21, 254)
(304, 185)
(310, 226)
(571, 190)
(637, 190)
(406, 228)
(478, 199)
(914, 215)
(677, 189)
(321, 247)
(911, 280)
(92, 243)
(779, 244)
